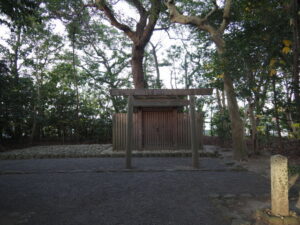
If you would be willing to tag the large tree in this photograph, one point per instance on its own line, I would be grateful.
(296, 59)
(105, 61)
(139, 34)
(216, 34)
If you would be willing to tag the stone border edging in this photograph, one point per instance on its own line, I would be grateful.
(14, 156)
(17, 172)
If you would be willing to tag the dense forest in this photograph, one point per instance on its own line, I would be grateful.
(55, 82)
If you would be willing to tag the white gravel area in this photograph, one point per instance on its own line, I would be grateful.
(92, 150)
(58, 150)
(66, 148)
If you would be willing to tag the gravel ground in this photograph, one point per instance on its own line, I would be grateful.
(94, 150)
(52, 194)
(57, 150)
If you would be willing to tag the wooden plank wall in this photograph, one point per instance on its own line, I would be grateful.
(157, 129)
(153, 139)
(183, 131)
(119, 131)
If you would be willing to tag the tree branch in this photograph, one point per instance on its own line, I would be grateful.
(162, 28)
(153, 17)
(213, 10)
(102, 6)
(226, 14)
(177, 17)
(201, 23)
(138, 5)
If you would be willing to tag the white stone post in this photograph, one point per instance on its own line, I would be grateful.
(279, 186)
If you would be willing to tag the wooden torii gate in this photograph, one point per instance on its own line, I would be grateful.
(161, 98)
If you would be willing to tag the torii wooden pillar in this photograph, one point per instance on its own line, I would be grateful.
(161, 92)
(194, 140)
(129, 131)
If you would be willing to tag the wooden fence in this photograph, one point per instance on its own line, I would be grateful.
(156, 130)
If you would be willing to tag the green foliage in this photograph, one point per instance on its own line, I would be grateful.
(19, 13)
(220, 122)
(294, 170)
(61, 83)
(51, 93)
(15, 106)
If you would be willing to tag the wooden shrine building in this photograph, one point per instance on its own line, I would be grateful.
(155, 120)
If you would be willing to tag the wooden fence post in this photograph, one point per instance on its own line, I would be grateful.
(129, 131)
(194, 138)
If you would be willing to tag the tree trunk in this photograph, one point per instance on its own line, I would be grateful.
(296, 43)
(171, 80)
(137, 66)
(63, 135)
(15, 70)
(290, 123)
(239, 146)
(33, 129)
(158, 83)
(140, 37)
(237, 127)
(223, 100)
(186, 75)
(36, 108)
(15, 73)
(288, 113)
(275, 102)
(220, 106)
(276, 110)
(253, 128)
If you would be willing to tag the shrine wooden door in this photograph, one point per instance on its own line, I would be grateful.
(159, 129)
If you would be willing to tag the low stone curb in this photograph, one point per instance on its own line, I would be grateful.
(16, 156)
(16, 172)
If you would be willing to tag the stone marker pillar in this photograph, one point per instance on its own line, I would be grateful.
(279, 185)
